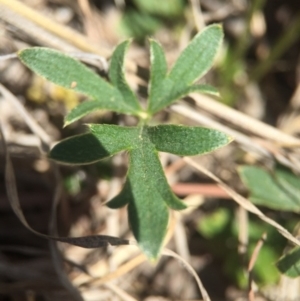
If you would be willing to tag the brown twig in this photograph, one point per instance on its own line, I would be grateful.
(32, 124)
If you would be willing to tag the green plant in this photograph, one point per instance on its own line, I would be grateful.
(146, 190)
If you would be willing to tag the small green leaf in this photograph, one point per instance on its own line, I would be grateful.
(63, 70)
(102, 141)
(147, 210)
(268, 190)
(197, 58)
(71, 74)
(117, 75)
(192, 64)
(186, 141)
(81, 149)
(158, 71)
(163, 94)
(289, 264)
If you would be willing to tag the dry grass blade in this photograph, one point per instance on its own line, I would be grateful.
(244, 202)
(197, 13)
(243, 222)
(189, 268)
(122, 270)
(244, 121)
(14, 201)
(34, 31)
(8, 56)
(55, 253)
(58, 265)
(66, 33)
(11, 187)
(181, 240)
(32, 124)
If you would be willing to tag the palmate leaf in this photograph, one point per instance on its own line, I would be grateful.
(192, 64)
(71, 74)
(146, 190)
(197, 58)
